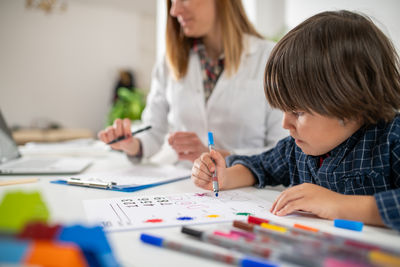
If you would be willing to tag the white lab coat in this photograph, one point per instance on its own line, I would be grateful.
(237, 112)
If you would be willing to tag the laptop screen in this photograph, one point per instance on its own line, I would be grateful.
(8, 148)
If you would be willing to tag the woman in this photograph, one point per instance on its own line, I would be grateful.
(214, 57)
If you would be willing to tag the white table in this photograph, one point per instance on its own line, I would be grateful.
(65, 204)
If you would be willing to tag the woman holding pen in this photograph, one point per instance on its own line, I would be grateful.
(210, 76)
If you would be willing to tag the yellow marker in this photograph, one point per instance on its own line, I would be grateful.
(274, 227)
(382, 258)
(213, 216)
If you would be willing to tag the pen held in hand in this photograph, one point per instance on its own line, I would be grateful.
(124, 137)
(214, 176)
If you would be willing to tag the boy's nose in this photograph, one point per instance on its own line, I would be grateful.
(287, 121)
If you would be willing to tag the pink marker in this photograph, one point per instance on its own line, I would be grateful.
(227, 235)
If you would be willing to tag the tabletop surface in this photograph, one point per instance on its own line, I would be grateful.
(65, 204)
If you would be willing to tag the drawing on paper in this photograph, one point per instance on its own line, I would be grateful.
(140, 212)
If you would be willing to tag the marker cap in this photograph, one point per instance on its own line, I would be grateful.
(210, 138)
(256, 220)
(350, 225)
(191, 232)
(254, 262)
(150, 239)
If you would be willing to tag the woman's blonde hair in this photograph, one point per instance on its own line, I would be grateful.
(233, 22)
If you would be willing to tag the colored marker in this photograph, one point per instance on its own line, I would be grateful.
(270, 251)
(228, 258)
(124, 137)
(274, 227)
(316, 234)
(327, 246)
(305, 227)
(347, 224)
(248, 236)
(229, 235)
(302, 241)
(384, 259)
(214, 176)
(256, 220)
(239, 245)
(296, 229)
(276, 235)
(302, 246)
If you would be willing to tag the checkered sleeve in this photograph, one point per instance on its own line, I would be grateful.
(270, 167)
(389, 201)
(389, 207)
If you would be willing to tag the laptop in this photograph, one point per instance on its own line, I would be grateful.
(12, 163)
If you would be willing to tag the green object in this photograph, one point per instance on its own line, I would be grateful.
(18, 208)
(130, 104)
(243, 213)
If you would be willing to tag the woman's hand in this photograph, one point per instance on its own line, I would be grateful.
(311, 198)
(120, 128)
(204, 167)
(187, 145)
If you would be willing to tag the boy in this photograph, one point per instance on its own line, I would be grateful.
(336, 77)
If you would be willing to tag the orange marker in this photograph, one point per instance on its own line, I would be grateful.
(304, 227)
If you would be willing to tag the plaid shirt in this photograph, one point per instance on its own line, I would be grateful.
(368, 163)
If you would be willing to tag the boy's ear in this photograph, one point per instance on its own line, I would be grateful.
(359, 121)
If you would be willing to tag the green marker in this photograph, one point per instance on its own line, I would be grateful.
(244, 213)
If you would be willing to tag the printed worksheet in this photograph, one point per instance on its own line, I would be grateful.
(144, 212)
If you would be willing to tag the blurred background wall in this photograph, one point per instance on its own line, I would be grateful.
(62, 66)
(273, 17)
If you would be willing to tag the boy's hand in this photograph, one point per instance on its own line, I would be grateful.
(204, 167)
(311, 198)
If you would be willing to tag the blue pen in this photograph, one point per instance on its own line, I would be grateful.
(228, 258)
(214, 176)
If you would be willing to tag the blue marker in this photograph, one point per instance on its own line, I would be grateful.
(214, 176)
(346, 224)
(228, 258)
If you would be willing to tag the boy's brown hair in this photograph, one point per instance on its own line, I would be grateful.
(337, 64)
(233, 22)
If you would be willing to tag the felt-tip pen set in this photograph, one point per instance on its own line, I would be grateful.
(258, 242)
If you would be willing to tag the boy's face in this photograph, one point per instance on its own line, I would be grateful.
(316, 134)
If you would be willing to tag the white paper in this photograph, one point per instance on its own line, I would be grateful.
(144, 212)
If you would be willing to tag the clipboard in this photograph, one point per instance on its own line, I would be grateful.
(129, 180)
(121, 188)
